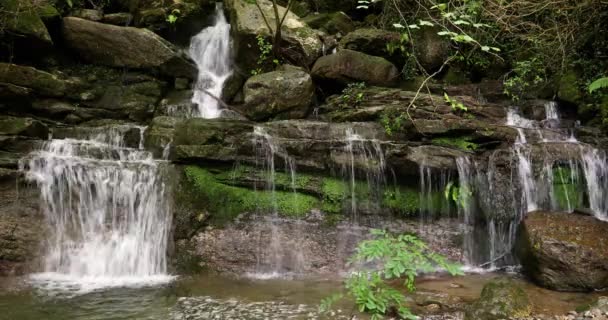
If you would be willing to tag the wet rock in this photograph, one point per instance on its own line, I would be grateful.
(373, 42)
(563, 251)
(21, 228)
(500, 299)
(23, 127)
(40, 82)
(247, 23)
(286, 93)
(125, 47)
(347, 66)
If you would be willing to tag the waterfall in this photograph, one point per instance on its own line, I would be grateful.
(526, 176)
(211, 51)
(366, 156)
(108, 217)
(271, 256)
(596, 175)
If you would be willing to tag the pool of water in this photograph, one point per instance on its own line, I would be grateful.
(208, 294)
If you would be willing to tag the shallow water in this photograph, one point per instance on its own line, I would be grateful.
(20, 301)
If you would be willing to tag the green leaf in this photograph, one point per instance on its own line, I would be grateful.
(462, 22)
(398, 25)
(425, 23)
(598, 84)
(485, 48)
(413, 26)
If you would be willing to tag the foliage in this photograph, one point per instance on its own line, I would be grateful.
(403, 201)
(461, 195)
(265, 54)
(525, 74)
(393, 121)
(352, 96)
(462, 143)
(598, 84)
(401, 257)
(455, 104)
(173, 16)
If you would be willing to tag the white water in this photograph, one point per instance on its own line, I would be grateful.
(526, 176)
(368, 155)
(105, 206)
(596, 175)
(211, 51)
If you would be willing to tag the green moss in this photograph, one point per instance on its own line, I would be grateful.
(462, 143)
(566, 190)
(226, 202)
(334, 193)
(403, 201)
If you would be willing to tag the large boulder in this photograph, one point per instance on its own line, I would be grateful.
(40, 82)
(374, 42)
(348, 66)
(286, 93)
(129, 47)
(563, 251)
(248, 23)
(500, 299)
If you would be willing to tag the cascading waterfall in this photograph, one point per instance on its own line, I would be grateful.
(211, 51)
(526, 176)
(595, 166)
(106, 209)
(267, 149)
(368, 155)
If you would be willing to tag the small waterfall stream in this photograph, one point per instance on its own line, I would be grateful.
(106, 209)
(211, 51)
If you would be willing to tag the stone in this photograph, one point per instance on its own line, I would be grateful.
(118, 19)
(23, 127)
(125, 47)
(332, 23)
(24, 20)
(563, 251)
(431, 49)
(347, 66)
(286, 93)
(40, 82)
(181, 84)
(88, 14)
(500, 299)
(247, 24)
(373, 42)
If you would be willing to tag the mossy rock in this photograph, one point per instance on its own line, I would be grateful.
(42, 83)
(23, 127)
(22, 18)
(375, 42)
(332, 23)
(500, 299)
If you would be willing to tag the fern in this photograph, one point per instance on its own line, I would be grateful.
(598, 84)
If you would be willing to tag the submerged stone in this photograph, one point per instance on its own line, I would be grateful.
(500, 299)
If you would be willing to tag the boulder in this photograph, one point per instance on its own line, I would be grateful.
(347, 66)
(248, 23)
(332, 23)
(285, 93)
(564, 251)
(40, 82)
(22, 19)
(500, 299)
(23, 127)
(373, 42)
(129, 47)
(136, 101)
(430, 49)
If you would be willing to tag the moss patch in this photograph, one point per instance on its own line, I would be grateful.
(462, 143)
(226, 202)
